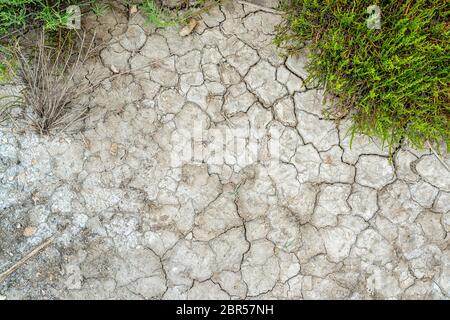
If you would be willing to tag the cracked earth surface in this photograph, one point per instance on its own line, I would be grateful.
(327, 221)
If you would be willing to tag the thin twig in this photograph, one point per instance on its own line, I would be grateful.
(22, 261)
(437, 156)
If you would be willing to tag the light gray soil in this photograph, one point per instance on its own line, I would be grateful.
(324, 221)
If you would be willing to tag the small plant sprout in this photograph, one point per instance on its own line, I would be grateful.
(288, 244)
(235, 192)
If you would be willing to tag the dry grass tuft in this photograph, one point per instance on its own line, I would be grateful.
(54, 80)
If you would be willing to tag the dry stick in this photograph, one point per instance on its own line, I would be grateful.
(437, 156)
(259, 7)
(228, 120)
(22, 261)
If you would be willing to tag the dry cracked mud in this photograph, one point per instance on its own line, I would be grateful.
(325, 220)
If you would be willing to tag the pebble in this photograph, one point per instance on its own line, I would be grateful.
(29, 231)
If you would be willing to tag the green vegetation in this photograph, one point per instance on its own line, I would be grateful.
(99, 9)
(394, 80)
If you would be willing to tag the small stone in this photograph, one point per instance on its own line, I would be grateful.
(187, 29)
(29, 231)
(114, 149)
(133, 9)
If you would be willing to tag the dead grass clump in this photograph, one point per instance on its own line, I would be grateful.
(53, 79)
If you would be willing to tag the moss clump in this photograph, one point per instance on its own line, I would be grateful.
(395, 79)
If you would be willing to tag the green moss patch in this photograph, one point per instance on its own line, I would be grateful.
(394, 80)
